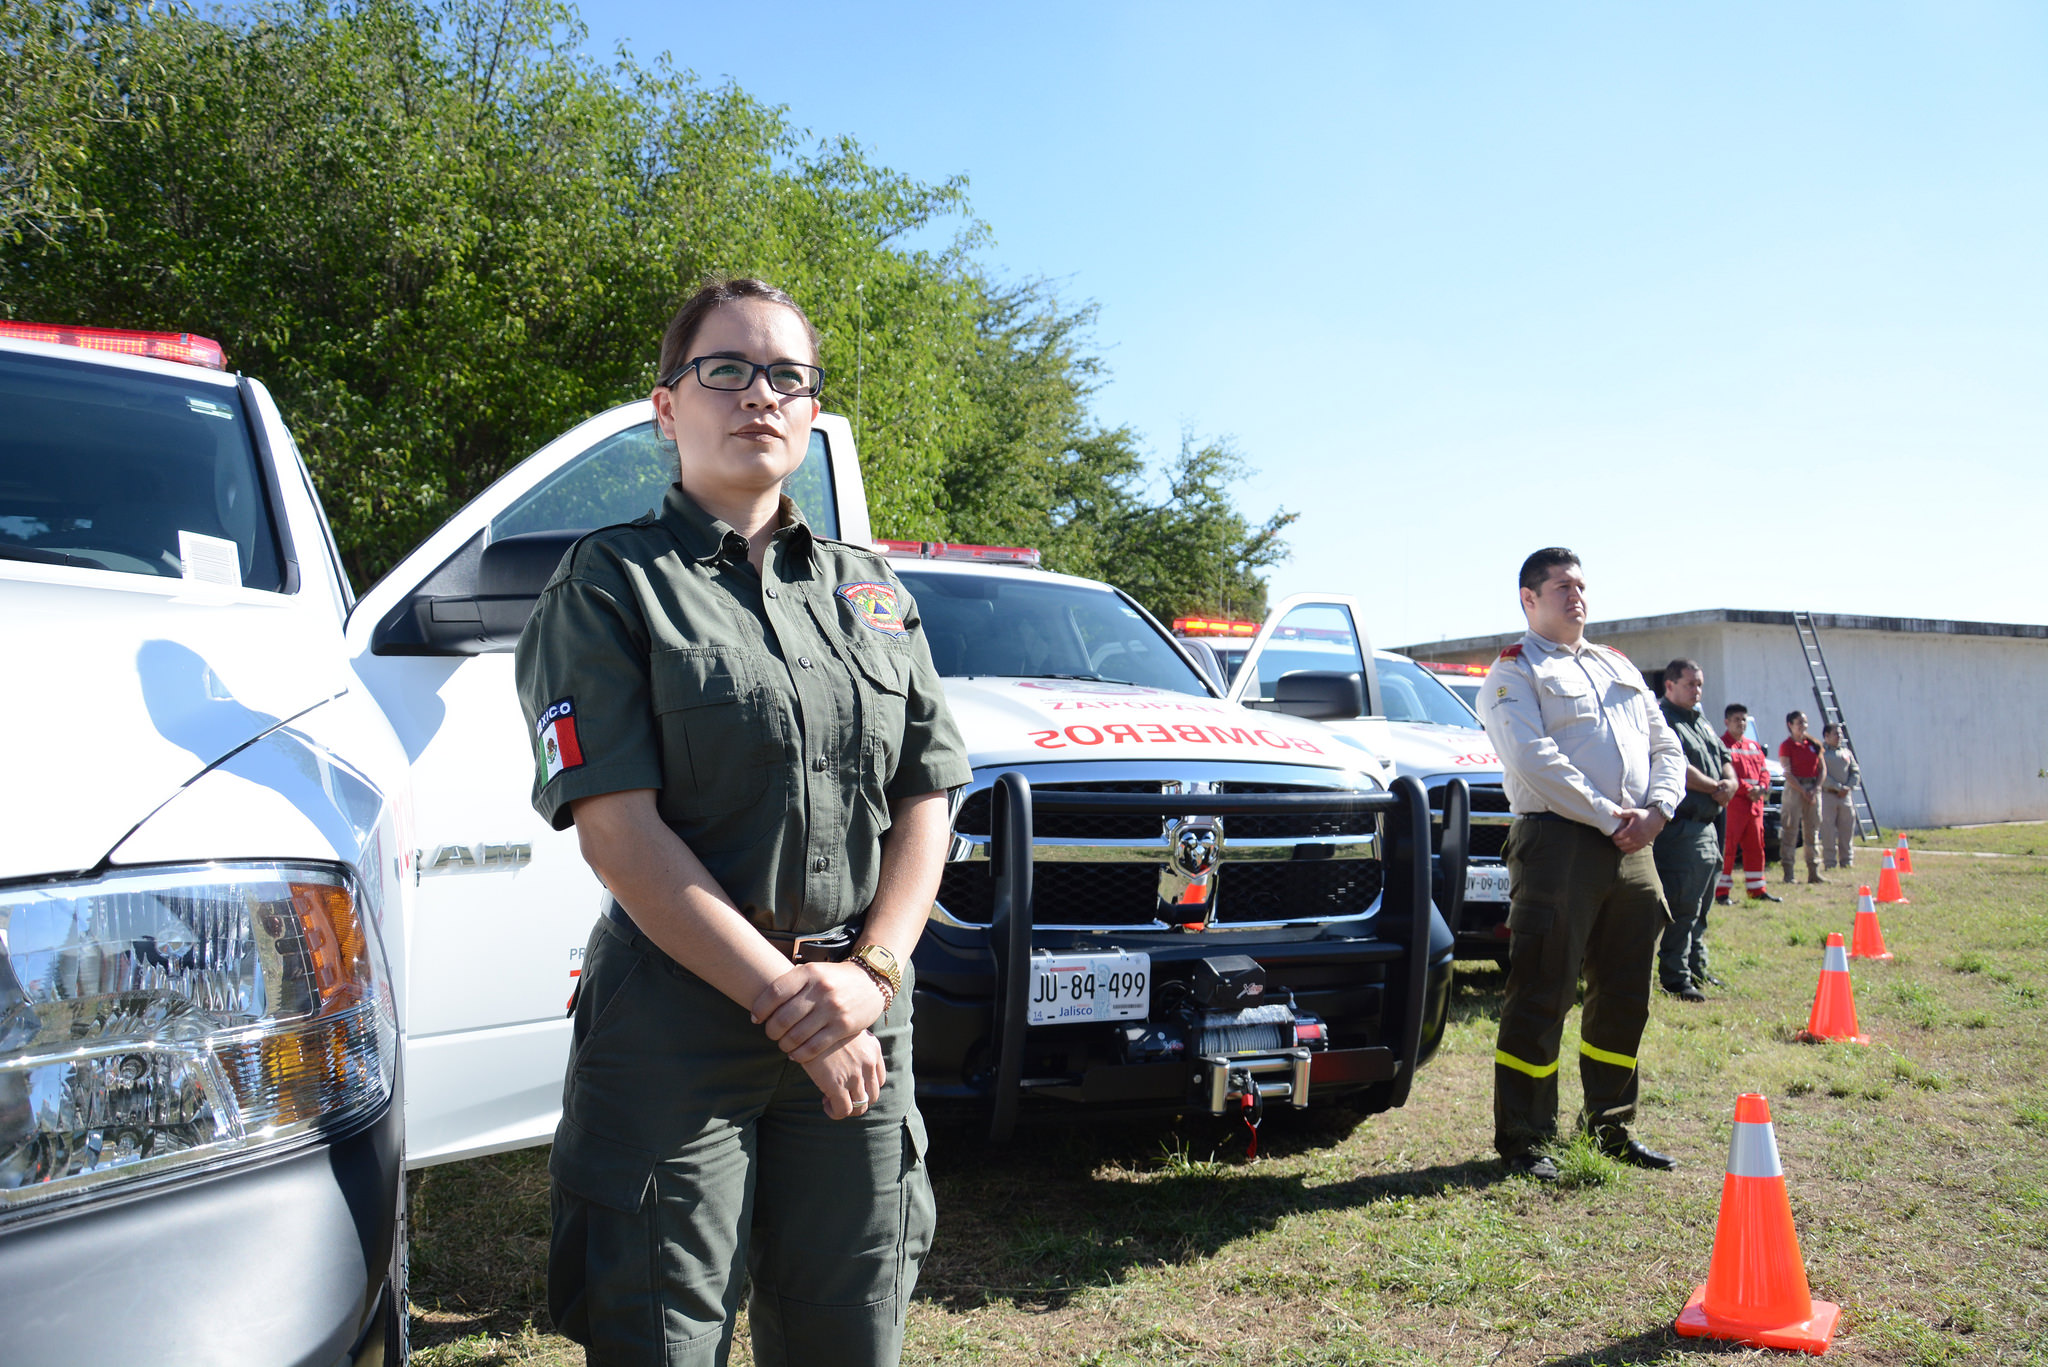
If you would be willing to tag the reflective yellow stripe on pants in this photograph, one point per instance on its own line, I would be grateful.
(1604, 1056)
(1507, 1060)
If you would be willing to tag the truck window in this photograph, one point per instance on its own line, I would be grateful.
(1017, 627)
(1412, 693)
(133, 473)
(628, 474)
(1312, 636)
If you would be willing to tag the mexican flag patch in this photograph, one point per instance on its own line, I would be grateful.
(555, 736)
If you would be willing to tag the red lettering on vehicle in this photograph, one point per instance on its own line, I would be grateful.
(1047, 740)
(1157, 731)
(1302, 743)
(1121, 731)
(1193, 733)
(1477, 757)
(1232, 736)
(1074, 735)
(1277, 742)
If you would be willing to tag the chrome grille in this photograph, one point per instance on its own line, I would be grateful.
(1102, 869)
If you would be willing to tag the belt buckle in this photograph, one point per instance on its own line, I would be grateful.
(826, 940)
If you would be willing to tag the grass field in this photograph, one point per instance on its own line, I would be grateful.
(1917, 1166)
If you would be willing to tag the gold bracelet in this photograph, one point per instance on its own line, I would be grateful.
(880, 980)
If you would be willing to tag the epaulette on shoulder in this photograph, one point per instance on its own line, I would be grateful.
(1513, 652)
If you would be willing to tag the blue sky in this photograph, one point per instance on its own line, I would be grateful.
(1746, 303)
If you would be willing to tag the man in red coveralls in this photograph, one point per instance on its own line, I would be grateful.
(1745, 838)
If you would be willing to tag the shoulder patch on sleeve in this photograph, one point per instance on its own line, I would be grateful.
(876, 604)
(555, 740)
(1513, 652)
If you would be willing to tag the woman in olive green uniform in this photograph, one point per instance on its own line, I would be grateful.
(743, 722)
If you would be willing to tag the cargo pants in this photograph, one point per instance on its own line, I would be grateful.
(1799, 814)
(1688, 859)
(1838, 830)
(1576, 905)
(693, 1158)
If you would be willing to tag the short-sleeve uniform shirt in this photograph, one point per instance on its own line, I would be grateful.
(775, 714)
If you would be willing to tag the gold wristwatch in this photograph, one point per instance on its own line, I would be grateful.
(881, 965)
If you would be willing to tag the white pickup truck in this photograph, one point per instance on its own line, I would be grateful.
(1402, 712)
(275, 910)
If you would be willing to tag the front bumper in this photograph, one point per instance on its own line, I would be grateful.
(282, 1262)
(1353, 982)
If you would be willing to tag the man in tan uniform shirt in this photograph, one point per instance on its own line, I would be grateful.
(1592, 772)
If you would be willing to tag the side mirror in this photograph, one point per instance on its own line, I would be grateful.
(479, 601)
(1320, 694)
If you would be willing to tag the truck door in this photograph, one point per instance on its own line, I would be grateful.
(504, 904)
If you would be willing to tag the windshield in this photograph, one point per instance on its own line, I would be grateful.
(1409, 692)
(1017, 627)
(112, 469)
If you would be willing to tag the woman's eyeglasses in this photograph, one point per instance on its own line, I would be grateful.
(787, 378)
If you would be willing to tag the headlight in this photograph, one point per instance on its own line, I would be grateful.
(182, 1016)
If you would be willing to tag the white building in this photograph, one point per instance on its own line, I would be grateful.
(1948, 719)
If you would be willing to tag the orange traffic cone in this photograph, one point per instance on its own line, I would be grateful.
(1867, 941)
(1834, 1005)
(1902, 856)
(1888, 882)
(1756, 1289)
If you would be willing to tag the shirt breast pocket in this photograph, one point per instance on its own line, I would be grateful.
(1566, 703)
(719, 745)
(884, 673)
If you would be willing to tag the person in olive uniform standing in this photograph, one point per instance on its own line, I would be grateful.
(743, 723)
(1592, 774)
(1687, 850)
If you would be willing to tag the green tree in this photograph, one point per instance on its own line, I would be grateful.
(442, 234)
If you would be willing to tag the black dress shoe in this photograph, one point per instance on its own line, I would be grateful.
(1685, 992)
(1721, 901)
(1531, 1163)
(1709, 979)
(1633, 1152)
(1765, 897)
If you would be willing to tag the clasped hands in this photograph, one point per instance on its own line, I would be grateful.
(819, 1014)
(1639, 826)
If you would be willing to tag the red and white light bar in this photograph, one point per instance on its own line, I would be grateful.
(184, 347)
(1209, 626)
(1446, 667)
(959, 550)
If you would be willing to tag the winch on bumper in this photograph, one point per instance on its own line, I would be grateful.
(1343, 1008)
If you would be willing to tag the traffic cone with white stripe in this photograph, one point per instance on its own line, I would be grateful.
(1756, 1290)
(1867, 941)
(1834, 1003)
(1902, 856)
(1888, 882)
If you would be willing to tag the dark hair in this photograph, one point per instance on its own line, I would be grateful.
(714, 292)
(1536, 569)
(1832, 728)
(1678, 667)
(1731, 709)
(1794, 715)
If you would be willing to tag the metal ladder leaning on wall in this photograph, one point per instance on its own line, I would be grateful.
(1831, 711)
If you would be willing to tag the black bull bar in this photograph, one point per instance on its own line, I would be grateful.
(1405, 861)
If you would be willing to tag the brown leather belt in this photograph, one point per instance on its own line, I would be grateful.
(827, 946)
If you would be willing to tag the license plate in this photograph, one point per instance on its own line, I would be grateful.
(1486, 883)
(1067, 989)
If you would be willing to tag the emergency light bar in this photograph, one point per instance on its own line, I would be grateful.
(1205, 626)
(184, 347)
(959, 550)
(1445, 667)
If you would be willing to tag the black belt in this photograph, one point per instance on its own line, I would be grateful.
(1549, 816)
(827, 946)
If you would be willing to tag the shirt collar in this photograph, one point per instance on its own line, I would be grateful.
(1550, 647)
(1685, 713)
(706, 539)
